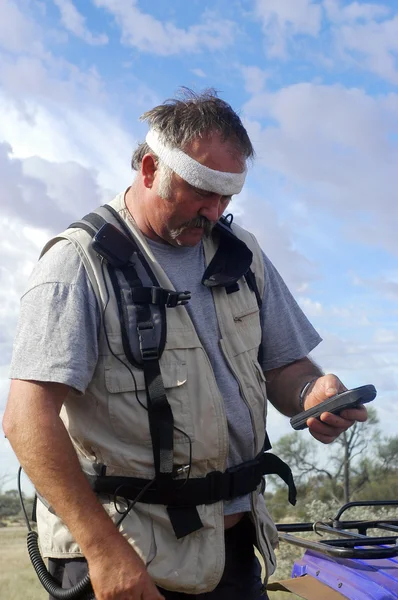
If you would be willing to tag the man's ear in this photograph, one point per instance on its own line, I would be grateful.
(148, 170)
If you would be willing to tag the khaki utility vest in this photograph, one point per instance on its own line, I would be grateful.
(108, 425)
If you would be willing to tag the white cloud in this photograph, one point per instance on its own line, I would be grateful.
(390, 288)
(48, 78)
(258, 215)
(344, 354)
(28, 68)
(92, 138)
(385, 336)
(254, 78)
(18, 256)
(18, 33)
(283, 18)
(198, 72)
(311, 307)
(74, 22)
(355, 11)
(336, 145)
(25, 197)
(143, 31)
(349, 316)
(376, 45)
(366, 36)
(355, 315)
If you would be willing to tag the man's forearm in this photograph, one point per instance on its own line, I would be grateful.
(285, 383)
(43, 447)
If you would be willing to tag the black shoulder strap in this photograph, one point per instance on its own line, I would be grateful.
(161, 422)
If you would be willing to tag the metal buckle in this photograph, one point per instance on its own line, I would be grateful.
(148, 342)
(181, 470)
(177, 298)
(169, 298)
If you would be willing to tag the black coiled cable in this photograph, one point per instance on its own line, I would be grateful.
(82, 589)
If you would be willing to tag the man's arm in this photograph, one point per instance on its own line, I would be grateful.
(284, 385)
(42, 445)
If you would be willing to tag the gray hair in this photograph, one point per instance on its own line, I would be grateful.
(194, 115)
(165, 180)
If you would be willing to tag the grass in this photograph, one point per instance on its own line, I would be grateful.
(18, 580)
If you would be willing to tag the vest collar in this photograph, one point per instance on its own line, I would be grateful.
(231, 260)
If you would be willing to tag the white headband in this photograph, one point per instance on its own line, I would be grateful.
(193, 172)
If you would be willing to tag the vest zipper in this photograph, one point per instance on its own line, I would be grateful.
(254, 515)
(226, 438)
(240, 316)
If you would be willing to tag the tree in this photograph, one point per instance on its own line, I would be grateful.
(346, 471)
(9, 504)
(353, 443)
(4, 479)
(387, 453)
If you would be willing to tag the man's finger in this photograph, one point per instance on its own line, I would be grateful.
(321, 428)
(337, 421)
(355, 414)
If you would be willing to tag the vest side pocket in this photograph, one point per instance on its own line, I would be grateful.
(267, 535)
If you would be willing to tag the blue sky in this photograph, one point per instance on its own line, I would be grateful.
(316, 85)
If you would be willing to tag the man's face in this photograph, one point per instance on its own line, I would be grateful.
(188, 213)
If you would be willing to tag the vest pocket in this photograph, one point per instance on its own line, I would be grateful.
(127, 400)
(245, 335)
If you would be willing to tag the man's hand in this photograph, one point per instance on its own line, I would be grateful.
(329, 426)
(118, 573)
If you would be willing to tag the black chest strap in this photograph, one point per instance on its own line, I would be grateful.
(182, 497)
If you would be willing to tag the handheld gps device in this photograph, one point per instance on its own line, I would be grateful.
(349, 399)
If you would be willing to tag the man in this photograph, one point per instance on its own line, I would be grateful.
(238, 340)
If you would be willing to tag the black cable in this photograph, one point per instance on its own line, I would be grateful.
(136, 499)
(81, 590)
(21, 500)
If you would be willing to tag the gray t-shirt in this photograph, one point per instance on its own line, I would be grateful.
(57, 334)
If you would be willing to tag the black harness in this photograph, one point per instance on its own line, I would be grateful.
(142, 301)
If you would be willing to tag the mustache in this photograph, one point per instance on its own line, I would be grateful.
(200, 221)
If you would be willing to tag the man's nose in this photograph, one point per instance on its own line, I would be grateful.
(212, 210)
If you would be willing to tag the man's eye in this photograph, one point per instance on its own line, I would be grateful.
(203, 193)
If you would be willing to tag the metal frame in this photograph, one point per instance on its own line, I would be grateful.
(349, 544)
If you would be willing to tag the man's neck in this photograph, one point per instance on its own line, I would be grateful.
(133, 206)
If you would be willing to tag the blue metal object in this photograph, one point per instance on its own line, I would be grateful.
(357, 579)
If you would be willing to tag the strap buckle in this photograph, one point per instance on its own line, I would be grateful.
(148, 342)
(169, 298)
(159, 296)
